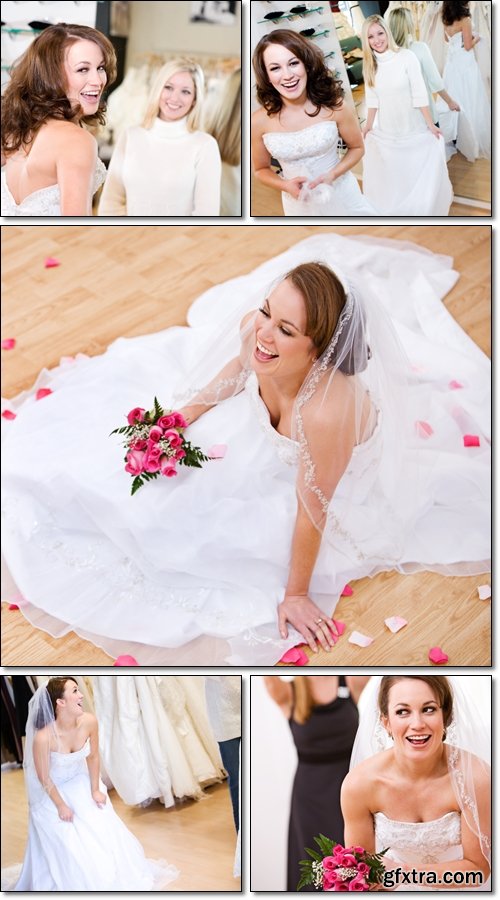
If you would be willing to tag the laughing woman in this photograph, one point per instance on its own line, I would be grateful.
(55, 90)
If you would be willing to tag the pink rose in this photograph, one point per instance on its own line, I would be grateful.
(362, 868)
(359, 850)
(138, 445)
(338, 852)
(154, 450)
(180, 454)
(136, 415)
(166, 422)
(174, 438)
(179, 420)
(358, 884)
(340, 886)
(329, 863)
(348, 861)
(155, 433)
(135, 462)
(167, 467)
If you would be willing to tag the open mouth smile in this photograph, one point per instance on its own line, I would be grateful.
(291, 85)
(419, 741)
(262, 351)
(90, 96)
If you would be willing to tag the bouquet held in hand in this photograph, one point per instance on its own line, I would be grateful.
(156, 445)
(337, 868)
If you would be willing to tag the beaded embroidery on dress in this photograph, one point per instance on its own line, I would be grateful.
(45, 202)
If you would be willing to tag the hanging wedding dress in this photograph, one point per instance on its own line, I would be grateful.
(46, 201)
(312, 152)
(192, 570)
(462, 79)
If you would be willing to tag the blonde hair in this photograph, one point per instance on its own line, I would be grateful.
(225, 123)
(369, 60)
(401, 25)
(304, 702)
(172, 67)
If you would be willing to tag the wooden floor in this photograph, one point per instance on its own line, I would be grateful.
(198, 837)
(127, 280)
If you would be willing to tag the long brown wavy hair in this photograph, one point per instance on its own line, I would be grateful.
(37, 88)
(322, 89)
(453, 10)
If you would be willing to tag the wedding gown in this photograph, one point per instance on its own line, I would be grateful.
(421, 843)
(94, 852)
(46, 201)
(192, 570)
(313, 152)
(462, 79)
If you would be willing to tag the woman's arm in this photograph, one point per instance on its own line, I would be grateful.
(93, 761)
(449, 100)
(350, 132)
(469, 39)
(75, 167)
(231, 371)
(261, 160)
(359, 829)
(356, 685)
(113, 200)
(208, 178)
(370, 119)
(279, 691)
(41, 759)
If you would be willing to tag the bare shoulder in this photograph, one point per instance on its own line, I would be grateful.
(88, 720)
(325, 405)
(42, 737)
(260, 120)
(362, 782)
(71, 139)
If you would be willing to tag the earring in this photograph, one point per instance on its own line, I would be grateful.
(390, 735)
(444, 734)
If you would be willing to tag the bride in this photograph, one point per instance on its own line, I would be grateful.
(427, 796)
(76, 841)
(55, 89)
(300, 123)
(342, 461)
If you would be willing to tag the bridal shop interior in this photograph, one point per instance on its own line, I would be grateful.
(336, 29)
(160, 762)
(109, 284)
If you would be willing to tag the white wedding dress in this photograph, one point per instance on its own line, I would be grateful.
(94, 852)
(463, 81)
(191, 569)
(313, 152)
(45, 202)
(421, 843)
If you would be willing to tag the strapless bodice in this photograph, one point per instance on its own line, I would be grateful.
(420, 842)
(65, 766)
(46, 201)
(311, 152)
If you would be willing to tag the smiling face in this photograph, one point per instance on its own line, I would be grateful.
(177, 97)
(72, 700)
(377, 38)
(281, 344)
(286, 72)
(85, 75)
(414, 718)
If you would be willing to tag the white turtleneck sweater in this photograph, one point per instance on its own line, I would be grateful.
(398, 94)
(163, 171)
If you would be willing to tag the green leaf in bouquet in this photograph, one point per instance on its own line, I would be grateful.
(325, 844)
(136, 484)
(125, 429)
(158, 410)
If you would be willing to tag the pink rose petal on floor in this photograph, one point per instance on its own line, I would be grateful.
(395, 623)
(471, 440)
(455, 385)
(484, 591)
(424, 430)
(51, 262)
(42, 392)
(13, 606)
(340, 626)
(362, 640)
(125, 661)
(8, 343)
(295, 657)
(218, 451)
(347, 591)
(438, 656)
(8, 414)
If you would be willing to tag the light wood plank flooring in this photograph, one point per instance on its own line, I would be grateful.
(127, 280)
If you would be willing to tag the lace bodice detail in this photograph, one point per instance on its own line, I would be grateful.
(288, 450)
(311, 152)
(420, 842)
(46, 201)
(65, 766)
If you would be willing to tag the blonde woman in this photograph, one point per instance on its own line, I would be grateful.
(225, 126)
(404, 168)
(323, 716)
(166, 166)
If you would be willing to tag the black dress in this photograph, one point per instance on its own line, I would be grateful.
(324, 745)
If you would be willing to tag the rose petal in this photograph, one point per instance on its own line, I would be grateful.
(484, 591)
(347, 591)
(8, 414)
(471, 440)
(51, 262)
(295, 657)
(438, 656)
(125, 661)
(42, 392)
(395, 623)
(8, 343)
(218, 451)
(340, 626)
(362, 640)
(13, 606)
(424, 430)
(455, 385)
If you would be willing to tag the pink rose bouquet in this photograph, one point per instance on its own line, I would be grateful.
(155, 444)
(338, 868)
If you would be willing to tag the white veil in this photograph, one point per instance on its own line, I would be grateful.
(40, 716)
(468, 737)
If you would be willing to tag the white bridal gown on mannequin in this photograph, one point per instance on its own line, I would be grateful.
(45, 202)
(462, 79)
(191, 569)
(313, 152)
(94, 852)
